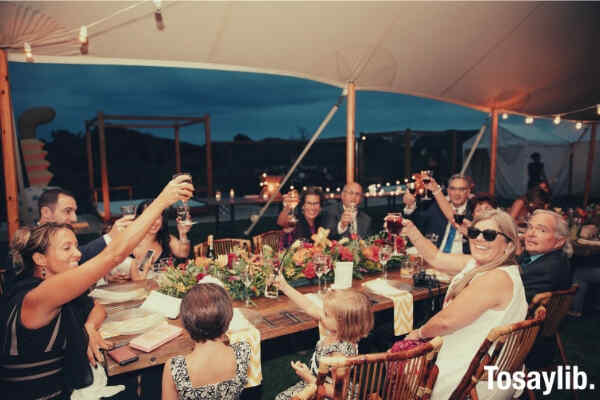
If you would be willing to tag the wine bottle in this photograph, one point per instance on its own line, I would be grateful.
(211, 252)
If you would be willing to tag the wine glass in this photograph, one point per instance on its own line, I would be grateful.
(385, 253)
(247, 281)
(459, 218)
(352, 228)
(426, 176)
(394, 226)
(320, 268)
(128, 209)
(183, 211)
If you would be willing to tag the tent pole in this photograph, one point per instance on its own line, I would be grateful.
(8, 146)
(590, 166)
(453, 154)
(90, 160)
(103, 166)
(209, 164)
(571, 153)
(256, 218)
(350, 129)
(407, 153)
(177, 151)
(493, 152)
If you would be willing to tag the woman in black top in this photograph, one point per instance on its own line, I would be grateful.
(49, 331)
(309, 221)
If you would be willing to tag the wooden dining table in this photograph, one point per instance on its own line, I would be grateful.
(272, 317)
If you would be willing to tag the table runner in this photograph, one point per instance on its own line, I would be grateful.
(403, 304)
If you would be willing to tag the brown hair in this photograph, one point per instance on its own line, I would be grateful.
(352, 312)
(206, 312)
(28, 241)
(507, 226)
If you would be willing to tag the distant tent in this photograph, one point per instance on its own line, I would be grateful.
(517, 141)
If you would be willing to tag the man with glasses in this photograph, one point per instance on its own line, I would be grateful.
(429, 218)
(345, 219)
(545, 262)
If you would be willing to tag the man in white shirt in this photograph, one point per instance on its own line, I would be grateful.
(345, 219)
(430, 219)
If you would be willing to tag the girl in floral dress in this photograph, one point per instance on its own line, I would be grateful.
(346, 317)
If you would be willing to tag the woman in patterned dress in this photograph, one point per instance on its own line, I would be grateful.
(346, 317)
(214, 369)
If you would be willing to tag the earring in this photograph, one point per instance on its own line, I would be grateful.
(43, 272)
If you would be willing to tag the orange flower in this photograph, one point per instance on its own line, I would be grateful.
(300, 256)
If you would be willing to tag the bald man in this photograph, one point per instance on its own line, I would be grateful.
(344, 218)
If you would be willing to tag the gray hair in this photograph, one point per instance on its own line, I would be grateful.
(466, 178)
(561, 229)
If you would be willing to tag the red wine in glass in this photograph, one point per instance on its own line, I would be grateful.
(459, 218)
(412, 188)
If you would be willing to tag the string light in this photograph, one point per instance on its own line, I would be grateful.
(504, 116)
(578, 125)
(598, 109)
(158, 15)
(557, 120)
(363, 138)
(28, 53)
(529, 120)
(83, 39)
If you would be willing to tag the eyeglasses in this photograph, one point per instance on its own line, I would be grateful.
(458, 189)
(488, 234)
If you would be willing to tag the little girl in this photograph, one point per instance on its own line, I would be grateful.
(213, 370)
(346, 318)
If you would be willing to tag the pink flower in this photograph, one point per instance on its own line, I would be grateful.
(200, 276)
(345, 254)
(353, 236)
(307, 245)
(231, 258)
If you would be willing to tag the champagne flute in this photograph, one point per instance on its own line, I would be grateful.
(385, 253)
(352, 228)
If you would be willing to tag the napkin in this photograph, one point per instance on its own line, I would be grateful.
(403, 304)
(162, 304)
(106, 296)
(98, 388)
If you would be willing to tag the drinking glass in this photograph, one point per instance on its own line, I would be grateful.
(271, 271)
(394, 226)
(183, 211)
(320, 268)
(385, 253)
(247, 281)
(459, 218)
(426, 176)
(352, 228)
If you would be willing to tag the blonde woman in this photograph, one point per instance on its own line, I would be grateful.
(486, 291)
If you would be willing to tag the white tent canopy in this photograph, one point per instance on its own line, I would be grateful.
(528, 57)
(517, 141)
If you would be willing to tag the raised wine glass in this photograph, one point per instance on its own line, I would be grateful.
(426, 176)
(320, 268)
(183, 211)
(394, 226)
(385, 253)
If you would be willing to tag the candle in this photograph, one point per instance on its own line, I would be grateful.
(231, 194)
(218, 195)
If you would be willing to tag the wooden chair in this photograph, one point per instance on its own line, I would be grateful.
(270, 238)
(408, 374)
(557, 306)
(505, 347)
(222, 246)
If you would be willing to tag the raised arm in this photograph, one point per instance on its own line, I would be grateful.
(441, 200)
(447, 263)
(298, 298)
(42, 304)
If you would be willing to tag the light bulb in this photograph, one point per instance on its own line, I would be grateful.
(28, 52)
(83, 34)
(529, 120)
(598, 109)
(157, 4)
(578, 125)
(557, 120)
(504, 116)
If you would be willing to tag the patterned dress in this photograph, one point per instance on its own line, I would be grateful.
(229, 389)
(322, 350)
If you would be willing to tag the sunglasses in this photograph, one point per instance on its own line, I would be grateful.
(488, 234)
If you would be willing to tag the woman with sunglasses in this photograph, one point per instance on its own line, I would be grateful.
(486, 291)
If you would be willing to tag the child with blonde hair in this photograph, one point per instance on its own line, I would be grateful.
(346, 317)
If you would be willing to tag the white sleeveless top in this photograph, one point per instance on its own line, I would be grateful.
(460, 347)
